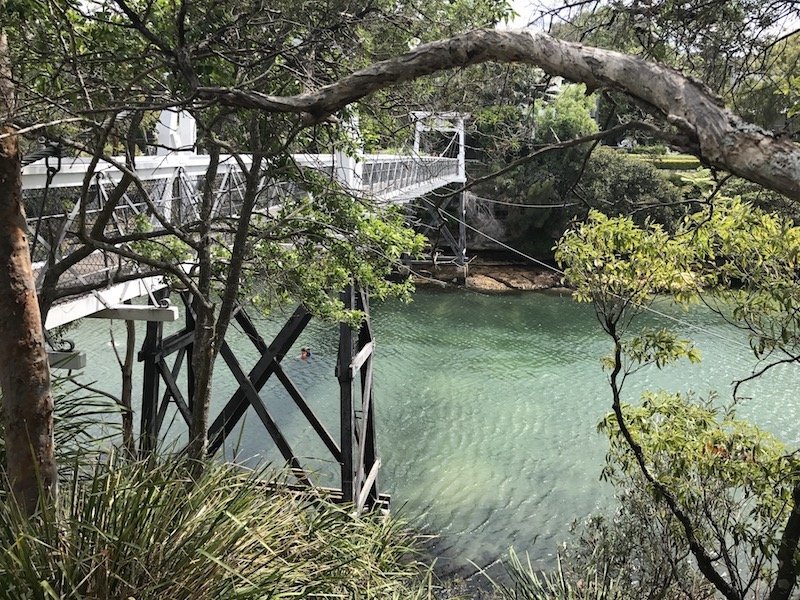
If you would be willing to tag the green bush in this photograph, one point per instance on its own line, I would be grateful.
(146, 531)
(669, 162)
(616, 183)
(652, 150)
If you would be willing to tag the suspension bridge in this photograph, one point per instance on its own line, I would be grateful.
(170, 184)
(64, 199)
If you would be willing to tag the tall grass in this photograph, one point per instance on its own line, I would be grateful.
(144, 531)
(526, 584)
(83, 421)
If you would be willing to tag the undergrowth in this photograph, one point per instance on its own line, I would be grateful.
(144, 530)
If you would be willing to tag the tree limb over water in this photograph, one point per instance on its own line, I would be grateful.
(713, 133)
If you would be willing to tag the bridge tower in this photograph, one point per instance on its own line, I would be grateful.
(453, 126)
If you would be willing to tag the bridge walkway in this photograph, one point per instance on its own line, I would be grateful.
(170, 184)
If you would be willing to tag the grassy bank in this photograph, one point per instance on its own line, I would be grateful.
(145, 530)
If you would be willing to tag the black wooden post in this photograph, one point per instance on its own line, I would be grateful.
(356, 448)
(345, 377)
(271, 356)
(149, 355)
(367, 444)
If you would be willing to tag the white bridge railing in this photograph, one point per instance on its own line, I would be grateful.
(169, 185)
(168, 190)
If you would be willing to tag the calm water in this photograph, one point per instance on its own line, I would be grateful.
(486, 408)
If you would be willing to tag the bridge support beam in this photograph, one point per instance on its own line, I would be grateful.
(457, 246)
(138, 312)
(355, 450)
(71, 360)
(359, 463)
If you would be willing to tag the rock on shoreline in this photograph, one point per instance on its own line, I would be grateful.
(510, 278)
(493, 278)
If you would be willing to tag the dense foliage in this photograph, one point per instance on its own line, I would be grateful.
(724, 493)
(145, 530)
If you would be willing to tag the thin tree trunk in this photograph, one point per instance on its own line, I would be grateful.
(204, 355)
(205, 346)
(24, 372)
(704, 560)
(786, 577)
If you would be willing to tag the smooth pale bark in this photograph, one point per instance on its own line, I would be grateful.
(711, 132)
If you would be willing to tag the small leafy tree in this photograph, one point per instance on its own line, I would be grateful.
(731, 492)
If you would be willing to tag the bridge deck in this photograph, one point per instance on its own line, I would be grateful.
(170, 184)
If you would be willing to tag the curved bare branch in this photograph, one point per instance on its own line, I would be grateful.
(722, 138)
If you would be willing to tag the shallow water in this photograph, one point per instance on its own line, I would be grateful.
(486, 411)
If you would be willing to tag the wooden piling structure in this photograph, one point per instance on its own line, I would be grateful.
(355, 451)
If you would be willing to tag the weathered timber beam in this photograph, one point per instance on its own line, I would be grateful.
(127, 312)
(363, 495)
(233, 411)
(176, 368)
(251, 393)
(308, 412)
(173, 391)
(360, 358)
(72, 360)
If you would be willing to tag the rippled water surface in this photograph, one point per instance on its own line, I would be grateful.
(487, 408)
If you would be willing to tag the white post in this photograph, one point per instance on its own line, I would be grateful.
(349, 170)
(417, 134)
(176, 132)
(462, 163)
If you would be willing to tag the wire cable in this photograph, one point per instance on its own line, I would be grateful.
(522, 205)
(561, 272)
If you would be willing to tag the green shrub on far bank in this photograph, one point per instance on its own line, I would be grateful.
(669, 162)
(616, 183)
(651, 150)
(146, 531)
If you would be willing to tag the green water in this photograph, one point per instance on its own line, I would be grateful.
(486, 410)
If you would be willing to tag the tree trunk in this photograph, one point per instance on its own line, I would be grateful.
(205, 344)
(126, 398)
(24, 372)
(204, 354)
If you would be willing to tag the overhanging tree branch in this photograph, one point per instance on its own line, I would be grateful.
(722, 138)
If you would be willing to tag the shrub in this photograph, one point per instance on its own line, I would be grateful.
(652, 150)
(145, 530)
(617, 183)
(669, 162)
(527, 584)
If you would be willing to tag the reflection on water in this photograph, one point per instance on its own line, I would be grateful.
(486, 410)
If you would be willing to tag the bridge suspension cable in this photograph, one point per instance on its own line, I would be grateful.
(561, 272)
